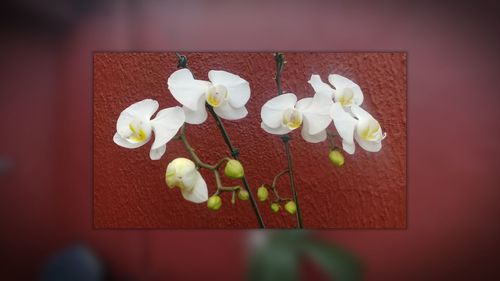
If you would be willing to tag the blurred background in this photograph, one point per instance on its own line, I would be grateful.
(46, 153)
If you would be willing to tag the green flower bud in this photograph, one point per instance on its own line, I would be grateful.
(243, 195)
(234, 169)
(262, 193)
(290, 207)
(336, 157)
(214, 203)
(275, 207)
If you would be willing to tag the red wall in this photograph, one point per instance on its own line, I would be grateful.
(368, 192)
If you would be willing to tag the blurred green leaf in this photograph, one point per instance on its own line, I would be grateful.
(339, 264)
(279, 258)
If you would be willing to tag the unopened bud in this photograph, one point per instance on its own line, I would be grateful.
(275, 207)
(243, 195)
(262, 193)
(336, 157)
(234, 169)
(214, 203)
(291, 207)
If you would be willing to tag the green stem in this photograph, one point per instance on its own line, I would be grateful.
(280, 64)
(227, 140)
(200, 164)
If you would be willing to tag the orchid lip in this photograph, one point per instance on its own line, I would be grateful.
(292, 118)
(137, 132)
(346, 97)
(217, 95)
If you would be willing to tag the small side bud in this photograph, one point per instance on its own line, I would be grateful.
(214, 203)
(275, 207)
(234, 169)
(243, 195)
(262, 193)
(336, 157)
(290, 207)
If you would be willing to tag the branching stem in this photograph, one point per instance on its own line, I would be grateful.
(200, 164)
(233, 150)
(278, 198)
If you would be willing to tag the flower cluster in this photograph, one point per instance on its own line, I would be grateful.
(227, 93)
(340, 104)
(225, 96)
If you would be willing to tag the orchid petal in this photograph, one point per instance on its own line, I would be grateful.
(166, 124)
(319, 137)
(185, 89)
(321, 87)
(281, 130)
(341, 82)
(157, 153)
(142, 110)
(360, 113)
(302, 104)
(196, 116)
(316, 111)
(238, 88)
(272, 111)
(199, 192)
(348, 147)
(367, 122)
(345, 125)
(228, 112)
(371, 146)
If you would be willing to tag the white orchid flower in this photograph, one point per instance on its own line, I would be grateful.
(182, 173)
(134, 126)
(360, 126)
(282, 114)
(346, 92)
(227, 93)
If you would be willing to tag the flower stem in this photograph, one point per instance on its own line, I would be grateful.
(200, 164)
(275, 190)
(280, 64)
(234, 152)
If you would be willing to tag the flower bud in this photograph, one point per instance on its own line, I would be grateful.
(275, 207)
(234, 169)
(262, 193)
(214, 203)
(243, 195)
(290, 207)
(336, 157)
(178, 171)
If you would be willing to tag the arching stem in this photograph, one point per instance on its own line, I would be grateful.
(200, 164)
(233, 150)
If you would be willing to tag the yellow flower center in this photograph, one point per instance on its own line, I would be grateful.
(370, 131)
(346, 97)
(138, 133)
(217, 95)
(292, 118)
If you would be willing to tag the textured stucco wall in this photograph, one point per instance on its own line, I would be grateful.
(369, 191)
